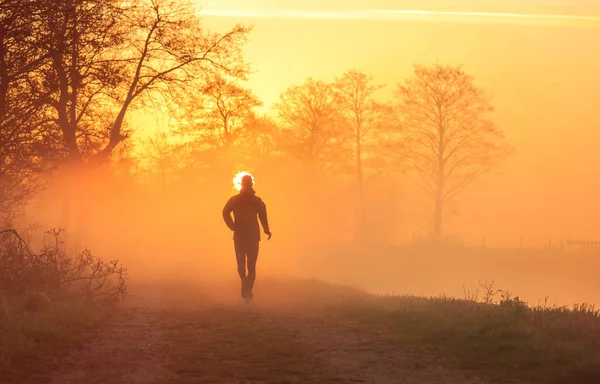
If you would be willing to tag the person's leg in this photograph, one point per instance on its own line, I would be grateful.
(240, 255)
(252, 258)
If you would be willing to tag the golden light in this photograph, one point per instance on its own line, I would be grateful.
(237, 180)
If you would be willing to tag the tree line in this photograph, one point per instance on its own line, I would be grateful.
(72, 73)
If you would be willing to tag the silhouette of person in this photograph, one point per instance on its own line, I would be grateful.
(246, 207)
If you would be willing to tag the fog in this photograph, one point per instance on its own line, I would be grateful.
(178, 236)
(510, 226)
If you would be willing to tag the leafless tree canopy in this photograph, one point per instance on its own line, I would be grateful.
(71, 71)
(309, 115)
(109, 55)
(215, 113)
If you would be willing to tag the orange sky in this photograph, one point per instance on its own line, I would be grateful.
(543, 75)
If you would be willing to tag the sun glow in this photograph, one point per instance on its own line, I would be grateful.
(237, 180)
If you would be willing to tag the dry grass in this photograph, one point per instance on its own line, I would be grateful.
(37, 329)
(506, 339)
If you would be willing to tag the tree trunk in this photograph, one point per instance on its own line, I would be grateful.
(67, 126)
(311, 150)
(437, 218)
(361, 227)
(225, 139)
(439, 182)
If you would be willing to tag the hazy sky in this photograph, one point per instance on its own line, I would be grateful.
(467, 5)
(542, 73)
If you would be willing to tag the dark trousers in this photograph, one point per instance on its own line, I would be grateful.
(246, 250)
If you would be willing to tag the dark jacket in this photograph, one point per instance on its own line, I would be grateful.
(246, 207)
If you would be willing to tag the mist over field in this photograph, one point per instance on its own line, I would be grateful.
(336, 119)
(429, 171)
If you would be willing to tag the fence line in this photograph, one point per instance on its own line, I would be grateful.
(552, 244)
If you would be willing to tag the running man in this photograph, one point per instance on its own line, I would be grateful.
(246, 207)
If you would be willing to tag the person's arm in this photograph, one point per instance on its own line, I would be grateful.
(262, 216)
(227, 214)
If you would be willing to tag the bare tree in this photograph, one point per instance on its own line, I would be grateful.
(309, 117)
(450, 139)
(360, 116)
(217, 114)
(263, 137)
(108, 54)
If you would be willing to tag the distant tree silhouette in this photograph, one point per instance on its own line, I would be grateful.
(165, 157)
(449, 137)
(310, 120)
(263, 138)
(361, 118)
(215, 116)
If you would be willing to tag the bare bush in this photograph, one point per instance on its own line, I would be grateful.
(51, 270)
(489, 292)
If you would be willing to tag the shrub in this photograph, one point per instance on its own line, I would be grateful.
(51, 270)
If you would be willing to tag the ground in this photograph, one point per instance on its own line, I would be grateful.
(208, 335)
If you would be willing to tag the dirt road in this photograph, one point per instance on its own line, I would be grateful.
(195, 336)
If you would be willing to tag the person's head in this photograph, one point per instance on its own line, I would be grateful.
(247, 182)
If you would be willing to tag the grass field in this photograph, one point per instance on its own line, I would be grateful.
(505, 340)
